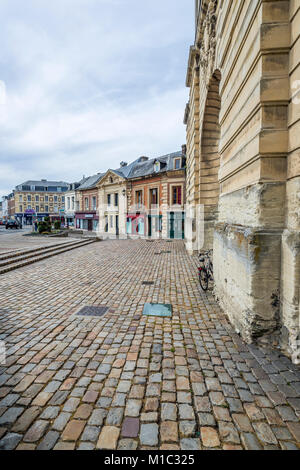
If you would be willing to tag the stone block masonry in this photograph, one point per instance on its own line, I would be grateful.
(243, 160)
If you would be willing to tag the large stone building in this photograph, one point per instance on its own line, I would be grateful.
(35, 200)
(243, 160)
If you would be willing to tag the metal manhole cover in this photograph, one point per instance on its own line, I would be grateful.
(158, 310)
(147, 283)
(92, 311)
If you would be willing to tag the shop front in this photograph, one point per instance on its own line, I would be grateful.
(87, 221)
(176, 225)
(136, 224)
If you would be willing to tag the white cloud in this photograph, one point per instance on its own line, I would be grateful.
(90, 83)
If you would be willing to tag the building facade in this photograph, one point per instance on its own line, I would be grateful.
(112, 190)
(5, 208)
(11, 206)
(72, 202)
(86, 215)
(243, 160)
(35, 200)
(156, 198)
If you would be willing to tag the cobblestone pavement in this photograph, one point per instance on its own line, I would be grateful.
(127, 381)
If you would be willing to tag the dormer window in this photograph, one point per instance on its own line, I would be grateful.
(157, 167)
(177, 163)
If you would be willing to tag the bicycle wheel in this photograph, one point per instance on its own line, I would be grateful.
(203, 279)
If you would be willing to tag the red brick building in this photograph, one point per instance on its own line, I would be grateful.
(156, 197)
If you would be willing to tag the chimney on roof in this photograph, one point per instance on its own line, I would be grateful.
(122, 164)
(143, 159)
(183, 149)
(44, 180)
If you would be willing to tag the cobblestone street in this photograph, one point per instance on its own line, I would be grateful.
(129, 381)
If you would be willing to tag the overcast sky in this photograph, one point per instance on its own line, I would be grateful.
(90, 83)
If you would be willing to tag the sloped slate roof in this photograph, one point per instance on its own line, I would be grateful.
(147, 168)
(91, 181)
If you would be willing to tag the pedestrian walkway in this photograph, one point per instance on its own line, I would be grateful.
(124, 380)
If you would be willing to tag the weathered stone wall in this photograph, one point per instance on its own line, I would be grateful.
(290, 280)
(245, 58)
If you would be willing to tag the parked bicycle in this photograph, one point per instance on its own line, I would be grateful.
(206, 273)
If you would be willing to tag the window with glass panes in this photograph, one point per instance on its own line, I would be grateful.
(176, 195)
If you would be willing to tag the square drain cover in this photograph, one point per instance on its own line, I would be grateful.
(158, 310)
(92, 311)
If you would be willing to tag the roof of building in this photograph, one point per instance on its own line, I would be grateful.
(91, 181)
(146, 168)
(42, 183)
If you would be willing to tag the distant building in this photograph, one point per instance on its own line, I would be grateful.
(34, 200)
(5, 207)
(86, 214)
(11, 206)
(72, 202)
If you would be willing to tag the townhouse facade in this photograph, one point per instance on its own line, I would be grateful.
(112, 191)
(72, 202)
(35, 200)
(86, 214)
(156, 198)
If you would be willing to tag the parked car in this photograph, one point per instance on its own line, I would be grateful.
(13, 224)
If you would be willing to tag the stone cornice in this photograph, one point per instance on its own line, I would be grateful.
(194, 53)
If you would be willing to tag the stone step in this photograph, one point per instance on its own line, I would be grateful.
(42, 256)
(30, 253)
(21, 252)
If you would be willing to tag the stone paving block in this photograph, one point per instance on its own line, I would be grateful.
(61, 421)
(209, 437)
(10, 441)
(250, 441)
(108, 438)
(169, 431)
(11, 415)
(115, 416)
(228, 433)
(26, 419)
(127, 444)
(187, 428)
(73, 430)
(36, 431)
(149, 434)
(90, 433)
(190, 444)
(130, 427)
(168, 412)
(49, 441)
